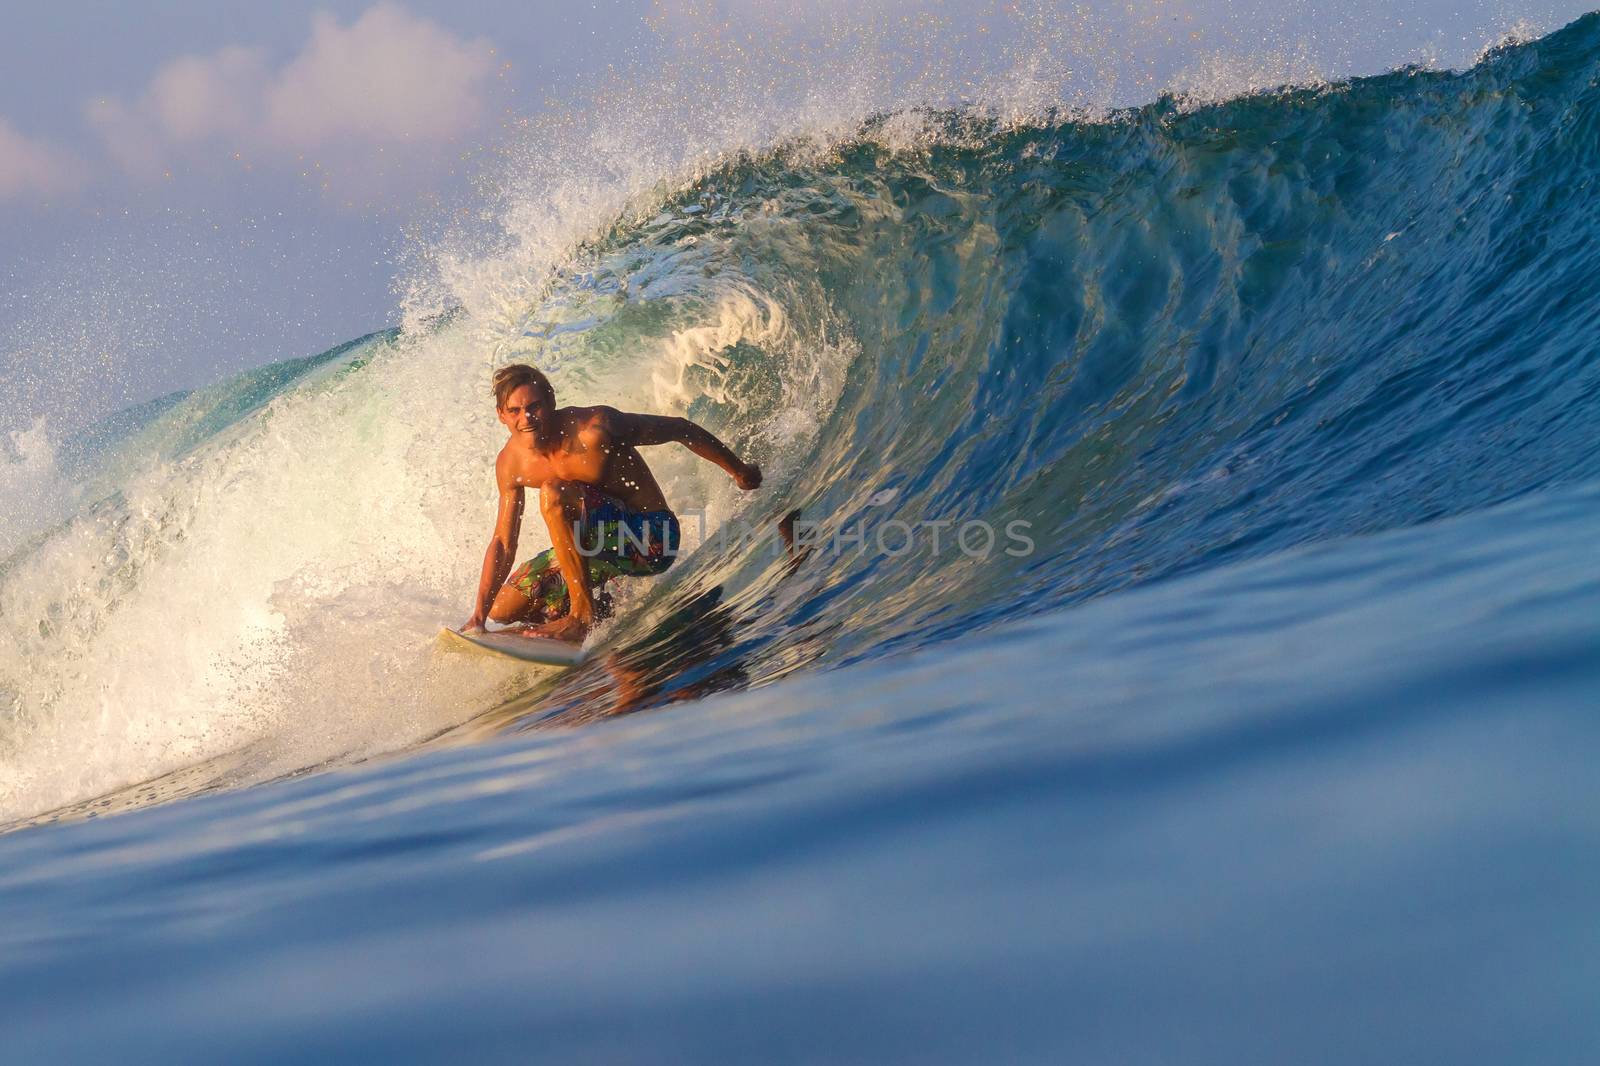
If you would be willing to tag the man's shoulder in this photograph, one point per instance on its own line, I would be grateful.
(597, 410)
(598, 416)
(510, 466)
(502, 465)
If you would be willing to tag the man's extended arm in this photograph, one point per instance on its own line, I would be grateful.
(662, 429)
(498, 558)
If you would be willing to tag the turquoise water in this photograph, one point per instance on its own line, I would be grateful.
(1273, 745)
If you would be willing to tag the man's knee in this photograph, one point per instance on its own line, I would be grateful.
(510, 605)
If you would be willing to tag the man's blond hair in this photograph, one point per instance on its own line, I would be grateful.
(509, 379)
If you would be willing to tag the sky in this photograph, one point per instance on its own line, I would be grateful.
(190, 189)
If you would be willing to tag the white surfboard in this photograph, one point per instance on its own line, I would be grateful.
(542, 650)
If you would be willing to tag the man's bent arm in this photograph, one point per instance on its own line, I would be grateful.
(662, 429)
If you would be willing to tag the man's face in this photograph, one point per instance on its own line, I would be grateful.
(522, 413)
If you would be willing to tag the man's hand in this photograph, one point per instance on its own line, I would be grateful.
(472, 625)
(568, 629)
(748, 476)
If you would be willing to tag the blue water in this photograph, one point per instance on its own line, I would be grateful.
(1274, 745)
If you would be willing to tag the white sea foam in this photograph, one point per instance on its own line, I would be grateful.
(33, 495)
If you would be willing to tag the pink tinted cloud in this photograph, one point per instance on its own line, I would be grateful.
(390, 78)
(206, 96)
(30, 167)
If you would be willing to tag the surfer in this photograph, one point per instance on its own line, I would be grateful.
(606, 514)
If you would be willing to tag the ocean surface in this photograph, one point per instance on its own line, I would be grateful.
(1187, 649)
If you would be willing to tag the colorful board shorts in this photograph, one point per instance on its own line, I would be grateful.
(614, 542)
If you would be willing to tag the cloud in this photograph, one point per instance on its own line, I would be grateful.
(30, 167)
(197, 97)
(389, 78)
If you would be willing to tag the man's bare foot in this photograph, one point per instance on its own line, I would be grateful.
(568, 629)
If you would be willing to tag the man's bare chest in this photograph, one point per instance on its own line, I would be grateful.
(582, 461)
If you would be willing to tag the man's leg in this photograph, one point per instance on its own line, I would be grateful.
(534, 593)
(510, 605)
(537, 593)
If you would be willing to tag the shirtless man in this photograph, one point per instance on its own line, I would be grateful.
(593, 484)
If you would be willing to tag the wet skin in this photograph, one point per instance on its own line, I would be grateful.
(559, 451)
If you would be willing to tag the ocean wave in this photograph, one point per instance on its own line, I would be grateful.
(1153, 343)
